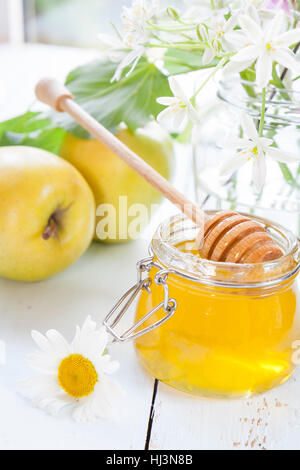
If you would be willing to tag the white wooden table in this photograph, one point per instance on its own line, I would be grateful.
(91, 286)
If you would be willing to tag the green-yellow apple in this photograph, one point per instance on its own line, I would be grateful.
(113, 183)
(47, 214)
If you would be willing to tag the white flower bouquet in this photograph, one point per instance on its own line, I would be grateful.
(256, 39)
(135, 81)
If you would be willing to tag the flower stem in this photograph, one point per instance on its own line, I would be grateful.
(170, 29)
(263, 110)
(220, 64)
(178, 45)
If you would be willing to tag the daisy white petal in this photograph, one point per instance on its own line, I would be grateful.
(89, 339)
(41, 341)
(37, 384)
(44, 363)
(58, 342)
(105, 366)
(85, 412)
(107, 389)
(52, 405)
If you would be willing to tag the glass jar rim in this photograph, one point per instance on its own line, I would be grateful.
(179, 229)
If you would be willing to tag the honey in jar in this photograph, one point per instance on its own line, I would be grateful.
(233, 330)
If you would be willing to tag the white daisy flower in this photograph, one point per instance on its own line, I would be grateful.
(74, 375)
(255, 149)
(179, 108)
(265, 46)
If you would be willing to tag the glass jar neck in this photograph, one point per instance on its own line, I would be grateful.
(178, 230)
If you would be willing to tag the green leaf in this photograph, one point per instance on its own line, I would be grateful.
(249, 76)
(31, 129)
(132, 100)
(286, 172)
(177, 61)
(24, 124)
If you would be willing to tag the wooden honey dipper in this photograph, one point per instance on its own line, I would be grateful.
(226, 236)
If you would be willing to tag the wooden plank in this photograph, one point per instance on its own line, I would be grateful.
(270, 421)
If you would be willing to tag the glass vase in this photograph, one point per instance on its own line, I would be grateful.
(280, 198)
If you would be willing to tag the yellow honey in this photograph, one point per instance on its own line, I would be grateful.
(226, 339)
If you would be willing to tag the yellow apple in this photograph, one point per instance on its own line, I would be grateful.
(114, 183)
(47, 214)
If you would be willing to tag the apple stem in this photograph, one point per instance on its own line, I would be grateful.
(51, 228)
(55, 222)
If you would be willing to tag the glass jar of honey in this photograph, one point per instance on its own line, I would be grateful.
(214, 329)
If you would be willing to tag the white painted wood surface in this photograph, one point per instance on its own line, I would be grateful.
(91, 286)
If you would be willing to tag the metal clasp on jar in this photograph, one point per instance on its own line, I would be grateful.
(168, 304)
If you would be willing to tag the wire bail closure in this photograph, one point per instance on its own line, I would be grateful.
(169, 305)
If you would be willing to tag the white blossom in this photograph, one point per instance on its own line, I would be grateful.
(179, 108)
(255, 149)
(264, 46)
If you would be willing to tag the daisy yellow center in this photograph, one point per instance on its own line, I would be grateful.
(77, 376)
(269, 47)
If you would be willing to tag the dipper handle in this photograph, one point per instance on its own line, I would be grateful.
(57, 96)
